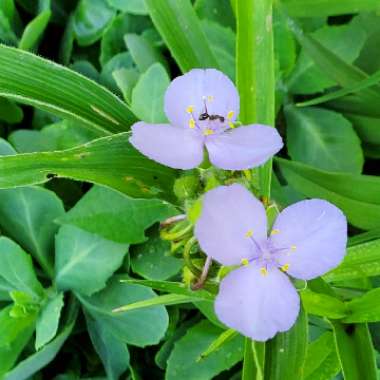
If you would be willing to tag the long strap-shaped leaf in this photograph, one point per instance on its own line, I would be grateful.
(30, 79)
(179, 26)
(255, 69)
(321, 8)
(109, 161)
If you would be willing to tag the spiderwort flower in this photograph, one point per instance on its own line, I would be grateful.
(258, 299)
(202, 107)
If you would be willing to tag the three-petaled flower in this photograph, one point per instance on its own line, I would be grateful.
(258, 299)
(202, 107)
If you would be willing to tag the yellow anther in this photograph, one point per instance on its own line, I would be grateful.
(244, 262)
(208, 132)
(275, 232)
(190, 109)
(210, 98)
(249, 233)
(285, 267)
(231, 125)
(230, 115)
(293, 248)
(263, 271)
(192, 123)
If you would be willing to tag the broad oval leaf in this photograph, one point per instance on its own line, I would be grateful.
(84, 261)
(322, 138)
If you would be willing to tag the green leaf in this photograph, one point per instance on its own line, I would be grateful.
(323, 305)
(356, 195)
(115, 216)
(148, 95)
(112, 41)
(77, 249)
(355, 351)
(321, 8)
(365, 83)
(136, 7)
(12, 327)
(322, 361)
(16, 270)
(255, 70)
(32, 80)
(174, 287)
(218, 343)
(11, 352)
(48, 320)
(91, 18)
(32, 364)
(119, 61)
(6, 149)
(27, 215)
(361, 261)
(143, 52)
(183, 362)
(126, 80)
(307, 77)
(138, 327)
(34, 31)
(334, 67)
(250, 370)
(180, 28)
(322, 138)
(367, 128)
(112, 352)
(365, 308)
(219, 11)
(285, 354)
(166, 299)
(154, 261)
(222, 42)
(10, 112)
(59, 136)
(109, 161)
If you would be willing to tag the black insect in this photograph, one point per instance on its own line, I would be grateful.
(205, 116)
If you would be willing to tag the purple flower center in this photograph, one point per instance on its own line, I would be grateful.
(266, 255)
(205, 122)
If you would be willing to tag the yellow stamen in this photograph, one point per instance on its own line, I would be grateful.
(275, 232)
(190, 109)
(263, 271)
(285, 267)
(249, 233)
(231, 125)
(210, 98)
(293, 248)
(208, 132)
(230, 115)
(244, 262)
(192, 123)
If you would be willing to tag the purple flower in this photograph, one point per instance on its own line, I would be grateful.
(307, 240)
(202, 106)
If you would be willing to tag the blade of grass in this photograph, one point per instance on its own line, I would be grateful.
(29, 79)
(109, 161)
(362, 85)
(180, 28)
(323, 8)
(255, 70)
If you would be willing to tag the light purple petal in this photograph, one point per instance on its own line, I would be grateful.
(244, 147)
(190, 90)
(317, 230)
(229, 213)
(170, 146)
(256, 305)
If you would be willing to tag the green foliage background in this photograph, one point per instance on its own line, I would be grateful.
(80, 208)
